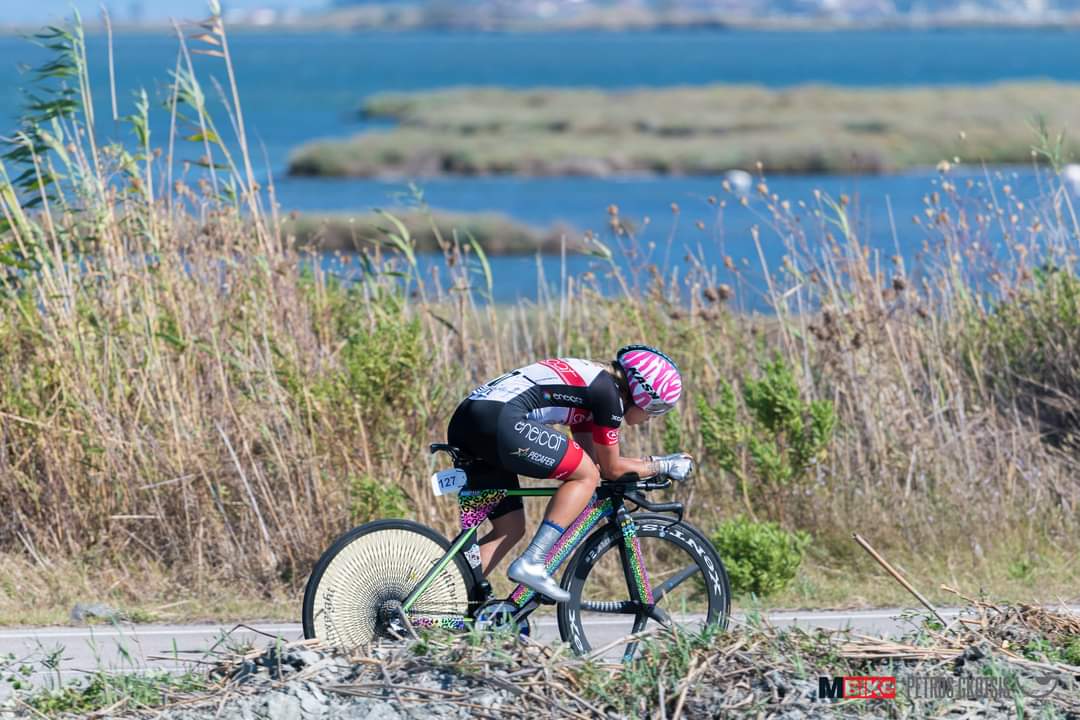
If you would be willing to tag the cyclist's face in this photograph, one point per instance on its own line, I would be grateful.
(635, 416)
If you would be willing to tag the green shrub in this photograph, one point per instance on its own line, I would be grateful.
(776, 440)
(104, 691)
(673, 436)
(381, 363)
(1071, 653)
(1062, 649)
(760, 557)
(371, 499)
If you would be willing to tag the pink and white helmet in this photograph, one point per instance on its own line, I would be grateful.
(653, 377)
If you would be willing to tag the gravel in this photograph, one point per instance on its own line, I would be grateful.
(755, 672)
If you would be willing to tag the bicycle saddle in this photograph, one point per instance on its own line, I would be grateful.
(456, 454)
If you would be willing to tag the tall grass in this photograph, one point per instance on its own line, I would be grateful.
(177, 393)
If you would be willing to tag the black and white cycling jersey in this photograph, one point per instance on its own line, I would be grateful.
(506, 424)
(561, 391)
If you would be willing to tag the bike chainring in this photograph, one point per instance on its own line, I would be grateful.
(501, 615)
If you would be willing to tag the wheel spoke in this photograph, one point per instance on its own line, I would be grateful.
(611, 607)
(358, 586)
(675, 581)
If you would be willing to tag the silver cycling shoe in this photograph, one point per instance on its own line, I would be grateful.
(534, 576)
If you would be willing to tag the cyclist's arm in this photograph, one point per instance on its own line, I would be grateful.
(614, 466)
(607, 414)
(602, 445)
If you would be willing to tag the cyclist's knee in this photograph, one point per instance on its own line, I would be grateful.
(586, 473)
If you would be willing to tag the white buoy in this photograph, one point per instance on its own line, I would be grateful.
(1070, 175)
(740, 181)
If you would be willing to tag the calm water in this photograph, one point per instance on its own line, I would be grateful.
(296, 87)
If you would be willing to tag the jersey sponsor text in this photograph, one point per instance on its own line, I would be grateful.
(539, 435)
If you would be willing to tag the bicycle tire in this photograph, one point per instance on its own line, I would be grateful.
(652, 528)
(377, 563)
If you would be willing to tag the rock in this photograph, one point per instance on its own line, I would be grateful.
(383, 711)
(280, 706)
(486, 699)
(776, 679)
(246, 670)
(303, 658)
(88, 611)
(312, 701)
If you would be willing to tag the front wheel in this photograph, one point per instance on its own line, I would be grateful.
(689, 585)
(356, 589)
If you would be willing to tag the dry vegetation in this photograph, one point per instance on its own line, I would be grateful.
(182, 404)
(994, 661)
(692, 131)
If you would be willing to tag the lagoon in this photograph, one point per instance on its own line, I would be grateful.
(300, 86)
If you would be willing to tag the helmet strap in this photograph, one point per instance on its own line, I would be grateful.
(622, 382)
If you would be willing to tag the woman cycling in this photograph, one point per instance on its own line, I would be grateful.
(506, 426)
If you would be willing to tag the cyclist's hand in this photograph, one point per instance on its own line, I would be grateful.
(679, 466)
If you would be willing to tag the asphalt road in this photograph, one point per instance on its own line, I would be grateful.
(135, 648)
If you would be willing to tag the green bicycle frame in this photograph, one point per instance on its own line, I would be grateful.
(476, 505)
(469, 532)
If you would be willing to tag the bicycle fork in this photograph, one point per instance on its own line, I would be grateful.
(637, 575)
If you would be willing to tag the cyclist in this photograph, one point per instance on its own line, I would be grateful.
(506, 426)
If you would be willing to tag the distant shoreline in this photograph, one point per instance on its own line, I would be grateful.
(495, 233)
(718, 25)
(693, 130)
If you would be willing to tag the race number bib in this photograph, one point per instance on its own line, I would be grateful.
(448, 482)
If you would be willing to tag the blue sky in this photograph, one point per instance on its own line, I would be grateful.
(37, 11)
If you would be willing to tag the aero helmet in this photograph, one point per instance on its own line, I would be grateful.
(653, 377)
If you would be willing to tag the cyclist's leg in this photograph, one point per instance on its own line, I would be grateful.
(529, 448)
(506, 531)
(473, 429)
(507, 518)
(576, 491)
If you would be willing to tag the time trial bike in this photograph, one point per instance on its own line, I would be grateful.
(626, 568)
